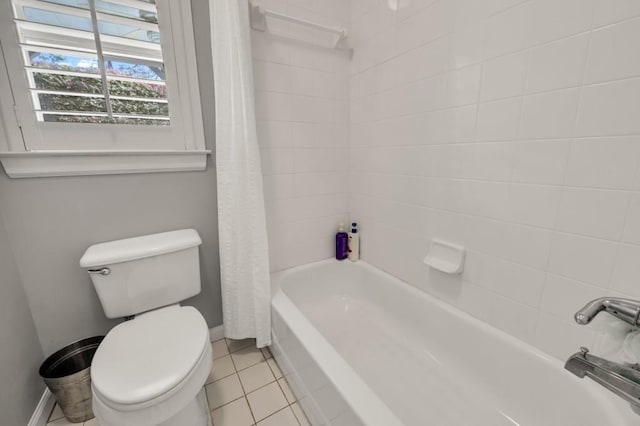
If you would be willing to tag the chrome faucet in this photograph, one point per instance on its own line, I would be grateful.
(624, 309)
(621, 379)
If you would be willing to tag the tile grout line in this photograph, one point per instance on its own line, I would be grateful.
(244, 393)
(282, 409)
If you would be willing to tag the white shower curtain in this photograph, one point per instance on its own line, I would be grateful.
(244, 255)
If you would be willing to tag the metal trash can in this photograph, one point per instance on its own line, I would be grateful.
(68, 376)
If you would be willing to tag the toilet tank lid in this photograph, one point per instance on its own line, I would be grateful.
(139, 247)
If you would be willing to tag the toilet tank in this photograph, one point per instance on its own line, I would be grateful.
(139, 274)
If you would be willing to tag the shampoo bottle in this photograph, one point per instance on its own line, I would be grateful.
(354, 243)
(342, 249)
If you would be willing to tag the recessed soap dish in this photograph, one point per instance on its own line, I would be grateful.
(446, 257)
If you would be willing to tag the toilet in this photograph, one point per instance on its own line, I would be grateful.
(150, 369)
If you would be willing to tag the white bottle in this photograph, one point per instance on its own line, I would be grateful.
(354, 243)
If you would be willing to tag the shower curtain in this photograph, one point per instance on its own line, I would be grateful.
(244, 254)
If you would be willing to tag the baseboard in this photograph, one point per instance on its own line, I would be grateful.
(216, 333)
(41, 414)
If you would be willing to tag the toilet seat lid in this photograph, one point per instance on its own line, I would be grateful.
(142, 359)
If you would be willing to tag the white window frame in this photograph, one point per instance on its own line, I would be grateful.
(29, 148)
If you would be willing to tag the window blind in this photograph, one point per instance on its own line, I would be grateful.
(93, 61)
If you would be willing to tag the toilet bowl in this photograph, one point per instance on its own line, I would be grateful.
(150, 370)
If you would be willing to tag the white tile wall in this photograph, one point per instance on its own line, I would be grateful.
(302, 107)
(509, 126)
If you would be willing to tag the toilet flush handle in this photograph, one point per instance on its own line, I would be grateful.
(101, 271)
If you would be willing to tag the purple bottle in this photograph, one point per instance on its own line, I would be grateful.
(342, 243)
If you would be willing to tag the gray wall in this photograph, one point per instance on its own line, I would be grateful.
(20, 353)
(51, 221)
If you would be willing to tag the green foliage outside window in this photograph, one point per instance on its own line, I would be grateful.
(93, 85)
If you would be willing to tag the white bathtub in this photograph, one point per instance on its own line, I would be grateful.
(359, 346)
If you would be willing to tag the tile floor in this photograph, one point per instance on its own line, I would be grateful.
(245, 388)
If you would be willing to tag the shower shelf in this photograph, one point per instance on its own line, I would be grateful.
(259, 14)
(446, 257)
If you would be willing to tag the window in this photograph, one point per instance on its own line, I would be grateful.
(109, 79)
(93, 61)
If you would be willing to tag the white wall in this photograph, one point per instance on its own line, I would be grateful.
(511, 127)
(303, 114)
